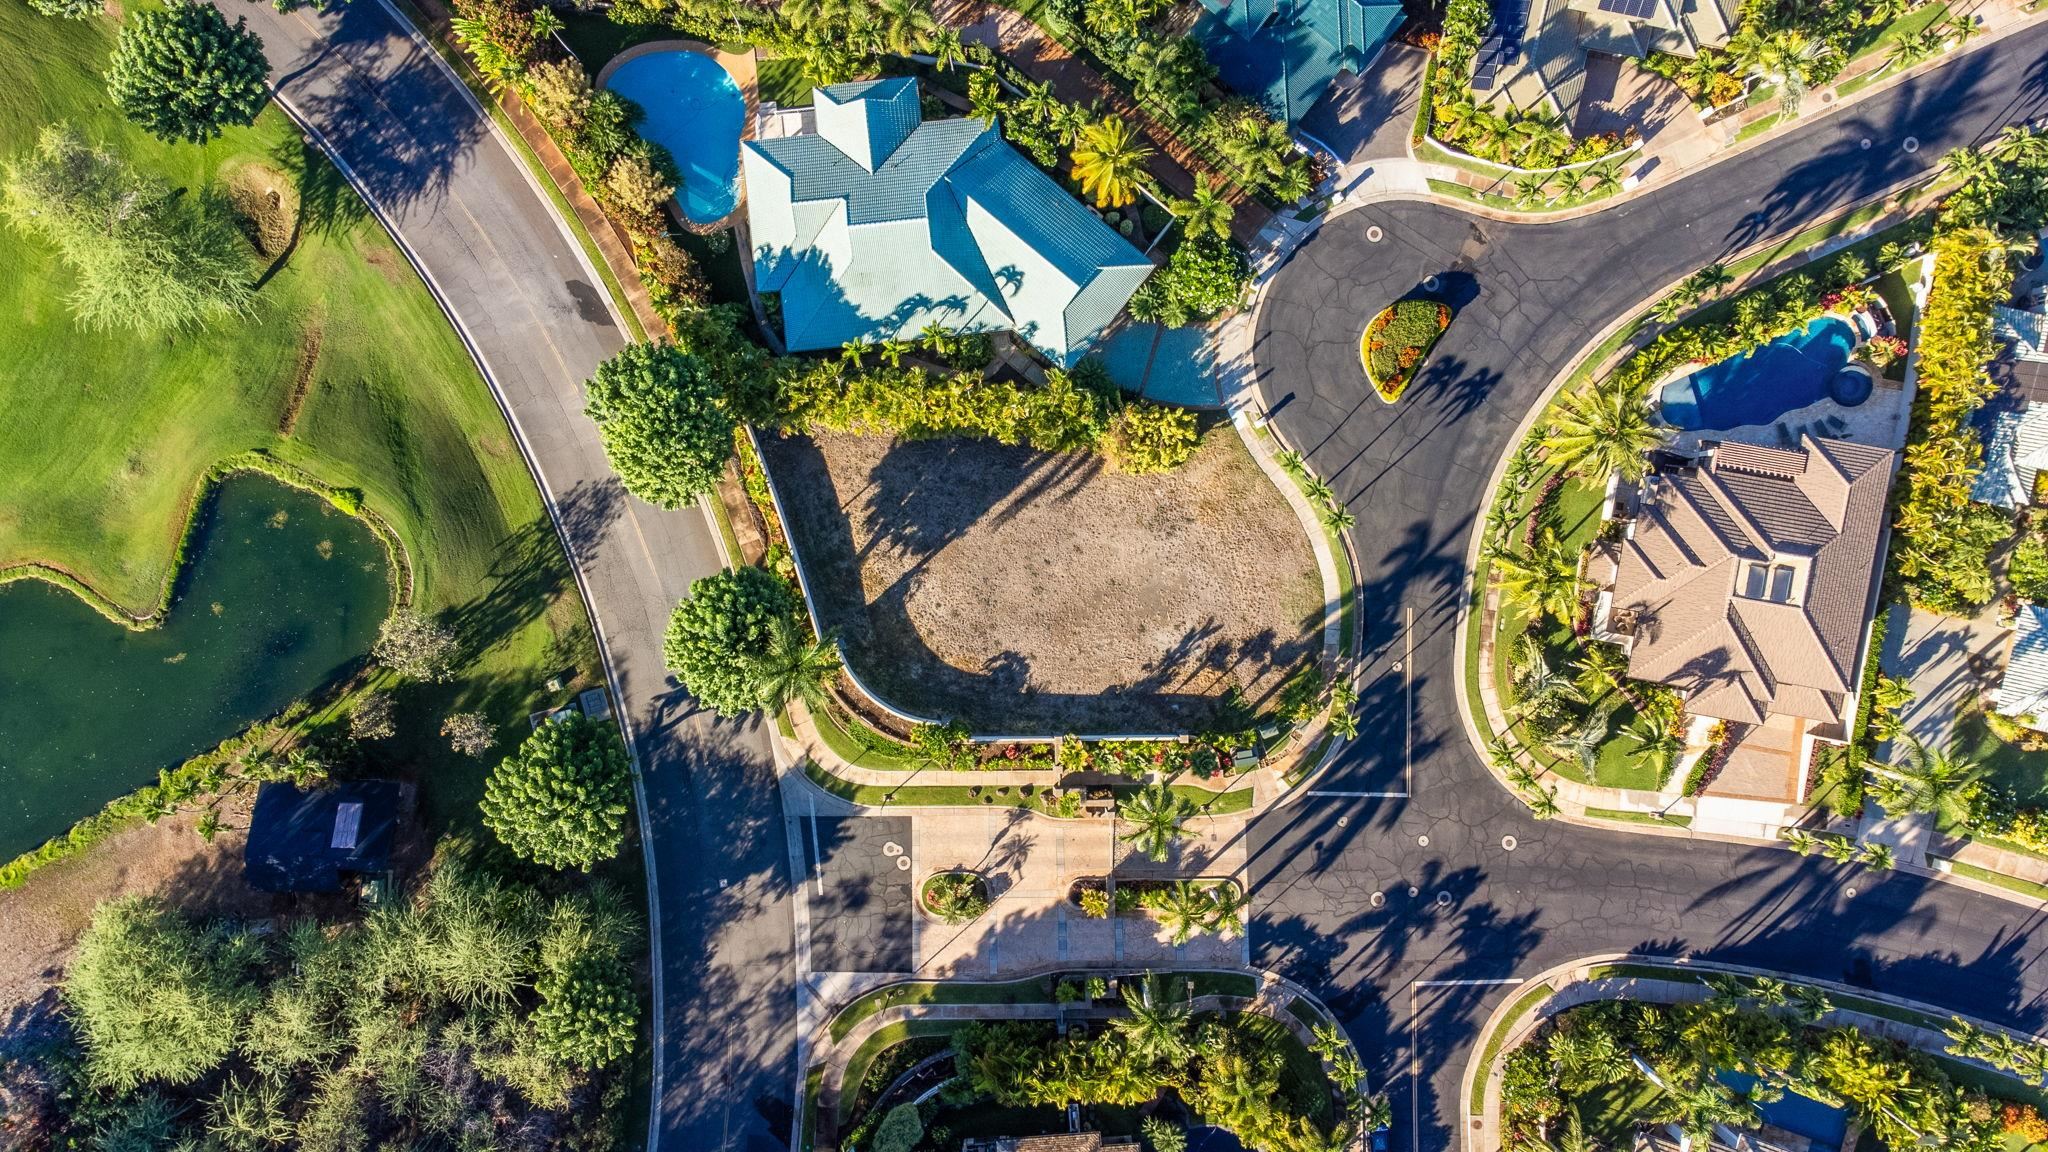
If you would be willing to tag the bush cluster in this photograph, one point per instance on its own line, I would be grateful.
(440, 1018)
(716, 634)
(1397, 340)
(1522, 139)
(1204, 277)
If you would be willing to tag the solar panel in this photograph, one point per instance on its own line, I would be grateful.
(1633, 9)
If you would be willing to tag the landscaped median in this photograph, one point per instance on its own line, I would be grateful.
(1704, 1044)
(943, 1061)
(1394, 344)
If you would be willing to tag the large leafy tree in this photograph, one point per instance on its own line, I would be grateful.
(588, 1011)
(721, 635)
(184, 73)
(1548, 576)
(416, 647)
(1156, 1030)
(562, 798)
(154, 998)
(143, 256)
(1158, 816)
(662, 416)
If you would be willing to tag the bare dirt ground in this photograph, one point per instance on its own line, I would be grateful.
(1035, 593)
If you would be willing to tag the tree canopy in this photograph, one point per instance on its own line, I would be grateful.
(144, 256)
(663, 419)
(184, 73)
(155, 998)
(723, 633)
(563, 797)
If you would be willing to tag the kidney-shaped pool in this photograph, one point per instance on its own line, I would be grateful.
(695, 111)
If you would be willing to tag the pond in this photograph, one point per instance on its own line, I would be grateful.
(695, 111)
(282, 593)
(1799, 368)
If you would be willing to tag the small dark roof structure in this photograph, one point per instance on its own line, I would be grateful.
(303, 841)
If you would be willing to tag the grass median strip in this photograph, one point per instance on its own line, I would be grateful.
(1987, 876)
(1498, 1037)
(884, 1038)
(1032, 991)
(1626, 817)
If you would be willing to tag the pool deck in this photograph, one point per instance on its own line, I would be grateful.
(740, 66)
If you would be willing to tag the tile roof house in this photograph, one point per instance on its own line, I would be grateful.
(1747, 576)
(2022, 691)
(1284, 53)
(2016, 448)
(308, 841)
(1535, 54)
(1064, 1142)
(880, 223)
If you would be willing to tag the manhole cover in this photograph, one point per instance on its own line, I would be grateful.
(1912, 144)
(1343, 821)
(1414, 891)
(891, 848)
(1422, 841)
(1432, 283)
(903, 863)
(1827, 97)
(1397, 665)
(1507, 843)
(1379, 899)
(1850, 892)
(1443, 899)
(1864, 144)
(1374, 234)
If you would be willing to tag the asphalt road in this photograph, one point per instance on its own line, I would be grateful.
(1410, 975)
(537, 319)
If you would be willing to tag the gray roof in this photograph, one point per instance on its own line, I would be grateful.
(880, 225)
(1807, 524)
(2023, 691)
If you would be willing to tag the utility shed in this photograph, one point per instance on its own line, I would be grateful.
(302, 841)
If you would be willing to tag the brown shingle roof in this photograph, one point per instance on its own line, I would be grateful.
(1820, 508)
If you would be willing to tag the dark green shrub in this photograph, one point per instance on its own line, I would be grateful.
(725, 625)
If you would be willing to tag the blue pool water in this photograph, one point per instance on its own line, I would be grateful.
(695, 111)
(1172, 365)
(1818, 1122)
(1757, 387)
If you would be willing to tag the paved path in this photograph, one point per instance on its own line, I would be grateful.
(1332, 873)
(538, 320)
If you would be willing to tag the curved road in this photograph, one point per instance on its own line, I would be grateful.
(537, 319)
(1409, 976)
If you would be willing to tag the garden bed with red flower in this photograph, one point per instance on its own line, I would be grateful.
(1397, 341)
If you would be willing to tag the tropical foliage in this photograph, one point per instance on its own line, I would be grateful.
(662, 415)
(562, 799)
(1396, 341)
(1158, 818)
(1523, 139)
(474, 1011)
(1764, 1029)
(1602, 429)
(1109, 162)
(1205, 276)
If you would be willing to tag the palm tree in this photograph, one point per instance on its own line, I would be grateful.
(1574, 1138)
(893, 350)
(793, 666)
(1801, 841)
(1710, 279)
(1206, 212)
(984, 97)
(947, 50)
(1159, 815)
(1227, 903)
(1583, 742)
(1911, 49)
(1543, 805)
(1657, 741)
(1966, 1040)
(1603, 669)
(1938, 781)
(856, 350)
(1183, 910)
(1156, 1031)
(1293, 182)
(1547, 577)
(1786, 57)
(1607, 179)
(1109, 161)
(1531, 189)
(904, 26)
(1703, 1106)
(1878, 856)
(1603, 430)
(1809, 1004)
(2018, 143)
(1259, 147)
(1839, 849)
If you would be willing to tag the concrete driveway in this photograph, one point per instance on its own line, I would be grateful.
(1951, 661)
(1368, 118)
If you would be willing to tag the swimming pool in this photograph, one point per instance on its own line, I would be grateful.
(1757, 387)
(1824, 1125)
(695, 111)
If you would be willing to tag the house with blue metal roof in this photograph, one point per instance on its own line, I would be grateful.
(1284, 53)
(879, 224)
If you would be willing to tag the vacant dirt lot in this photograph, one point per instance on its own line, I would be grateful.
(1027, 592)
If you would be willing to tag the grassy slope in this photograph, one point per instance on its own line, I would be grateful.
(109, 432)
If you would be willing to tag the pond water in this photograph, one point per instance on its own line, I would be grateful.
(283, 592)
(695, 111)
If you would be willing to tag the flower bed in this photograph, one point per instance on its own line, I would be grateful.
(955, 897)
(1397, 341)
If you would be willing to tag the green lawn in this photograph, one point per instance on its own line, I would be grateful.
(782, 81)
(110, 431)
(1628, 817)
(2009, 883)
(884, 1038)
(1032, 991)
(1612, 1112)
(1498, 1036)
(2005, 765)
